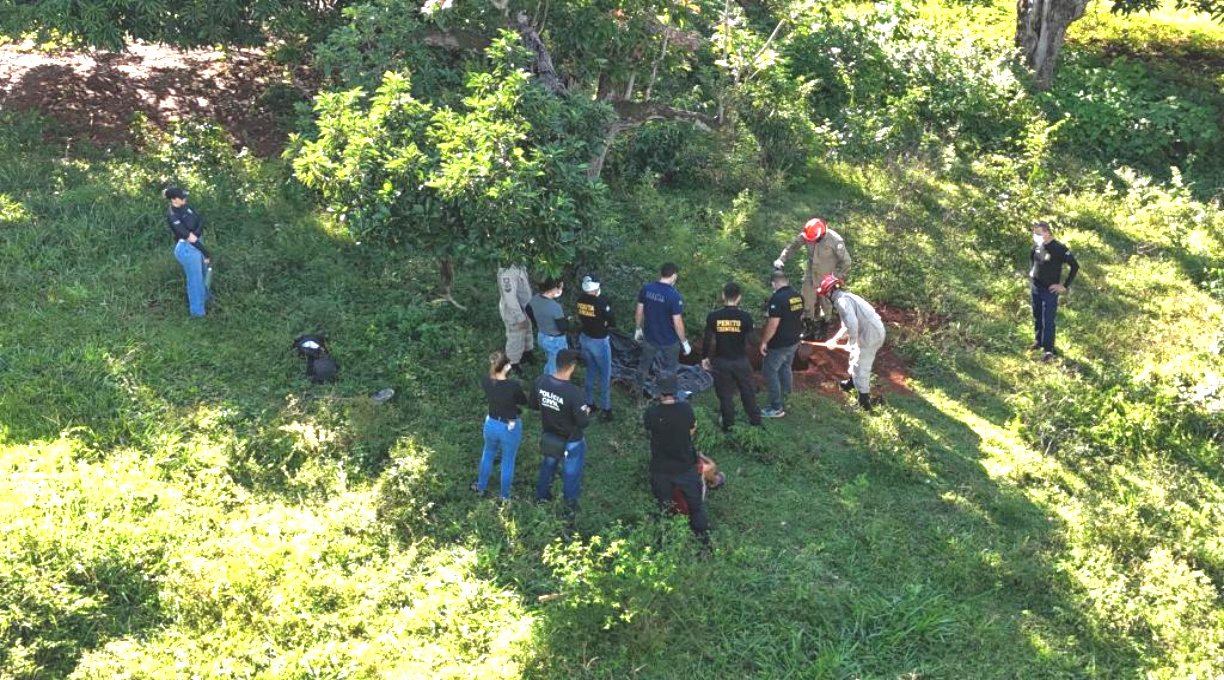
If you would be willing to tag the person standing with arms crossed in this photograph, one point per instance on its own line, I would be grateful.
(1045, 283)
(595, 315)
(659, 317)
(826, 254)
(502, 428)
(515, 292)
(724, 346)
(187, 226)
(779, 341)
(864, 331)
(551, 321)
(673, 459)
(563, 417)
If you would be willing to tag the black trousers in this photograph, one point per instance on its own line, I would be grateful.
(730, 376)
(689, 484)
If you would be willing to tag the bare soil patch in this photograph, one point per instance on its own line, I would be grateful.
(93, 96)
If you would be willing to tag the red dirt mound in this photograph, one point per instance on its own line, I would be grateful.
(94, 95)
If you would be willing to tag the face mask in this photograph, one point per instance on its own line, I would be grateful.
(1038, 240)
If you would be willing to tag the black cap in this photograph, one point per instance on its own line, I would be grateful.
(176, 192)
(667, 385)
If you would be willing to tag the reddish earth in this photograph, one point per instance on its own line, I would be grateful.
(94, 95)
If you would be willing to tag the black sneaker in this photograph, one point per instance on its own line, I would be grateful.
(1034, 347)
(606, 416)
(846, 385)
(1048, 357)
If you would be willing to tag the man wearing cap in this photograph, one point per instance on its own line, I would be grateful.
(660, 325)
(779, 341)
(864, 333)
(595, 315)
(551, 321)
(826, 254)
(673, 459)
(515, 292)
(725, 350)
(563, 417)
(1046, 260)
(187, 227)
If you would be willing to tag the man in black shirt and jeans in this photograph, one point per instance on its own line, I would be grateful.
(1045, 283)
(595, 314)
(724, 345)
(564, 416)
(673, 460)
(780, 340)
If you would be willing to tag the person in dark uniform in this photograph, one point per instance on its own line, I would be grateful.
(595, 315)
(503, 429)
(659, 317)
(673, 459)
(724, 347)
(188, 227)
(780, 339)
(1046, 260)
(564, 416)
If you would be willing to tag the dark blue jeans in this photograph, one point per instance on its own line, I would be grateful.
(571, 473)
(777, 370)
(499, 435)
(597, 353)
(1045, 307)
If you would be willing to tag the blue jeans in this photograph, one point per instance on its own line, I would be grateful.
(499, 435)
(597, 353)
(571, 474)
(552, 345)
(192, 261)
(777, 370)
(1045, 307)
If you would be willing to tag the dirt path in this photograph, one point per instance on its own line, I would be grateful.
(94, 95)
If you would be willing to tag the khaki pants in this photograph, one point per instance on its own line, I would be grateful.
(809, 303)
(518, 341)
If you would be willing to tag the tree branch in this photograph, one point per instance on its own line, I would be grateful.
(634, 114)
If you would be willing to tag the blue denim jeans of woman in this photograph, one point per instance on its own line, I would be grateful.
(552, 346)
(503, 437)
(192, 261)
(571, 474)
(597, 353)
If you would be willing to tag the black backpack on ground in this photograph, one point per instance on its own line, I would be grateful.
(320, 366)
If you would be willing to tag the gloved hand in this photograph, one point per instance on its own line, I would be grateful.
(638, 336)
(778, 263)
(688, 348)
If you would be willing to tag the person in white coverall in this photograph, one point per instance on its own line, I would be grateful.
(864, 333)
(515, 294)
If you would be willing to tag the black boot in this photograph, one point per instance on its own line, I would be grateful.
(809, 329)
(865, 401)
(846, 385)
(822, 330)
(528, 358)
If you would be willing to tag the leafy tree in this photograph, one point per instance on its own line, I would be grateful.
(1041, 27)
(499, 177)
(109, 24)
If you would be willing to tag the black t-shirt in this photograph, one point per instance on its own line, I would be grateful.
(1046, 264)
(727, 329)
(560, 404)
(671, 444)
(595, 314)
(786, 305)
(505, 397)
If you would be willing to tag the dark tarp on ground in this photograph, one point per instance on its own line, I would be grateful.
(626, 354)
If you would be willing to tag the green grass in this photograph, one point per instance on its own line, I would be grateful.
(177, 501)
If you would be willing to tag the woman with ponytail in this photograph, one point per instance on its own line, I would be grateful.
(503, 429)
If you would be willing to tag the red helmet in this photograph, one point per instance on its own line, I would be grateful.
(814, 230)
(828, 284)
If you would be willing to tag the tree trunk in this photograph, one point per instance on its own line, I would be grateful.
(1041, 29)
(446, 271)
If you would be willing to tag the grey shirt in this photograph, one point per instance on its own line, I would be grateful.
(547, 312)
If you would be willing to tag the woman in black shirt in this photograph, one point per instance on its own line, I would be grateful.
(502, 429)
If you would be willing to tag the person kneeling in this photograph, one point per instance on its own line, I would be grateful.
(673, 460)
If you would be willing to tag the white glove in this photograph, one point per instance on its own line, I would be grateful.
(688, 348)
(638, 336)
(778, 263)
